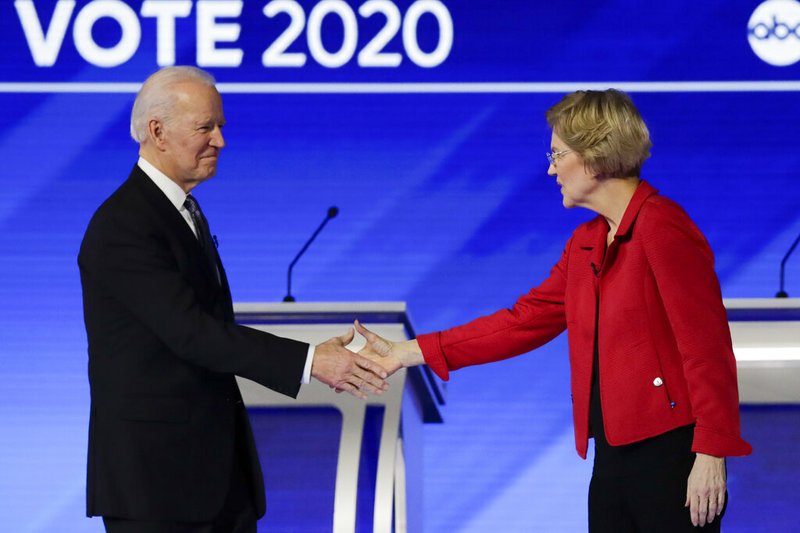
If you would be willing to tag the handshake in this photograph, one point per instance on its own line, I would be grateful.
(366, 371)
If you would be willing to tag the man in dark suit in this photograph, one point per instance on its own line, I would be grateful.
(170, 445)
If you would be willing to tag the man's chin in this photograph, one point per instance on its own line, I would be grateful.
(208, 171)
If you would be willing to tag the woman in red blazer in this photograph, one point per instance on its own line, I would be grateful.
(653, 371)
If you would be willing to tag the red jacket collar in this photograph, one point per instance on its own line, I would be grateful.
(642, 193)
(596, 229)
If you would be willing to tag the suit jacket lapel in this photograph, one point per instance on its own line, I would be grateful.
(171, 218)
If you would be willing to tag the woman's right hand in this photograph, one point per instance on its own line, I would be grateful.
(390, 355)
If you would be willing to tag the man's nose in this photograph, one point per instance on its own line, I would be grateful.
(217, 140)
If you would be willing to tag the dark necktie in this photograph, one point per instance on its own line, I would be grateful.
(203, 233)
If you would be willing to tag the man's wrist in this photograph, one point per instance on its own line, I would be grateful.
(306, 378)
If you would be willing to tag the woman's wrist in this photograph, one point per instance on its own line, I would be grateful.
(409, 353)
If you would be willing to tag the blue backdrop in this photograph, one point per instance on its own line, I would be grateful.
(440, 176)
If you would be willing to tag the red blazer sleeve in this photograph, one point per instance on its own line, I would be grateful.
(535, 319)
(683, 266)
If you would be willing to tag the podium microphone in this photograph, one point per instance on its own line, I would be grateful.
(781, 292)
(332, 212)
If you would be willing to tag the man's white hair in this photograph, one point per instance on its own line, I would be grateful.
(156, 101)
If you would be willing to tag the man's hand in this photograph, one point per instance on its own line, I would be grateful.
(390, 355)
(343, 370)
(705, 490)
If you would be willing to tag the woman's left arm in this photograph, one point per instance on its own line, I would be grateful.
(683, 267)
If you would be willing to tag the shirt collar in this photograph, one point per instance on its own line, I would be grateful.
(171, 190)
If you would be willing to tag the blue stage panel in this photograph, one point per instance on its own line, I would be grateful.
(445, 203)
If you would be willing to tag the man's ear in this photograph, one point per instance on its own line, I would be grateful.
(156, 133)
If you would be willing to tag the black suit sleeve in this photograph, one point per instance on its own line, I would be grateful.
(155, 280)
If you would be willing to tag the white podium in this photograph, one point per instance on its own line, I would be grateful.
(766, 342)
(415, 396)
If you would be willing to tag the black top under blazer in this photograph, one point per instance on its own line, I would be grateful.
(163, 352)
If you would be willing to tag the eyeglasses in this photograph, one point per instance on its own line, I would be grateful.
(555, 156)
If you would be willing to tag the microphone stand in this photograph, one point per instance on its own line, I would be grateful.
(782, 293)
(332, 212)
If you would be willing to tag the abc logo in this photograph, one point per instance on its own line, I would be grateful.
(774, 32)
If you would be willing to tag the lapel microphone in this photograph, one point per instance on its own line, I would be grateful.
(332, 212)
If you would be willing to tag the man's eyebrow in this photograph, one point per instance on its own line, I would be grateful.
(207, 121)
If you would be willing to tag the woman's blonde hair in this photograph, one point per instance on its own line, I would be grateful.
(605, 129)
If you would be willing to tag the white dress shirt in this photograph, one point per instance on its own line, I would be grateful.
(177, 197)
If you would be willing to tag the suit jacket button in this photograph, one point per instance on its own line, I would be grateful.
(658, 382)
